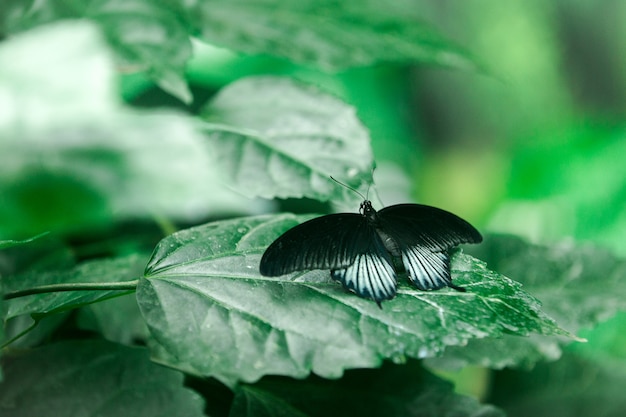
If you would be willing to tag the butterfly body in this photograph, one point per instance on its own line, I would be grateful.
(360, 249)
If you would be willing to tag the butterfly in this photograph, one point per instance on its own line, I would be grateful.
(364, 251)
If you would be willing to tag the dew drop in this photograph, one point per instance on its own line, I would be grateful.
(423, 352)
(398, 358)
(393, 330)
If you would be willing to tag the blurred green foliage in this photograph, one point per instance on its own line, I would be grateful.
(521, 129)
(530, 145)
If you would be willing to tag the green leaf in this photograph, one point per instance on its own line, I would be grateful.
(579, 286)
(563, 276)
(276, 137)
(73, 156)
(250, 402)
(572, 386)
(328, 34)
(393, 390)
(25, 331)
(213, 314)
(118, 320)
(105, 270)
(498, 353)
(89, 378)
(46, 253)
(146, 36)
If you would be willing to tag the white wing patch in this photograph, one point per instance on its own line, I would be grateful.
(427, 270)
(370, 276)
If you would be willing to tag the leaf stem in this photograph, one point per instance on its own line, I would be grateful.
(79, 286)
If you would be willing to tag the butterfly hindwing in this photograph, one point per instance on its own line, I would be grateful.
(327, 242)
(427, 270)
(372, 274)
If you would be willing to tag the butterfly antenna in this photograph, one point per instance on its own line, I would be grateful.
(369, 187)
(371, 175)
(349, 188)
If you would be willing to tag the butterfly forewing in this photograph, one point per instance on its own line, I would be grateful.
(327, 242)
(426, 226)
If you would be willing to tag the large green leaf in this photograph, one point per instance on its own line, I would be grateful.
(93, 378)
(580, 286)
(275, 137)
(329, 34)
(213, 314)
(146, 36)
(73, 157)
(393, 390)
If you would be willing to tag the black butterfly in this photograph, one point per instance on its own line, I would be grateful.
(360, 249)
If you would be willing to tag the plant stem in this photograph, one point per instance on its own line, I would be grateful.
(84, 286)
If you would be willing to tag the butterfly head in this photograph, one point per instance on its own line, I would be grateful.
(367, 210)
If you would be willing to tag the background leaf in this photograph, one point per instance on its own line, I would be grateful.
(65, 173)
(397, 390)
(87, 378)
(154, 38)
(331, 35)
(103, 270)
(35, 255)
(146, 37)
(579, 285)
(563, 276)
(572, 386)
(203, 296)
(117, 320)
(274, 137)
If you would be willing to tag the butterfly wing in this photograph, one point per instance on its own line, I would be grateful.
(347, 244)
(428, 226)
(372, 274)
(427, 270)
(422, 235)
(327, 242)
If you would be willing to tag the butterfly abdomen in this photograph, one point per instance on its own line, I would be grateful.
(390, 244)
